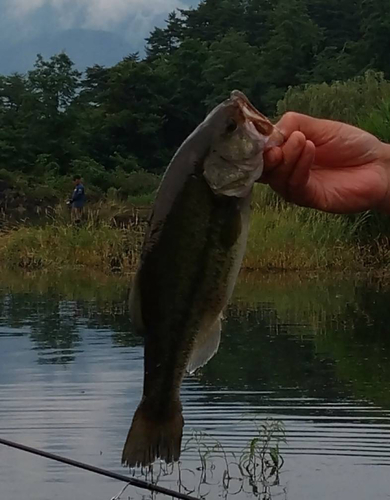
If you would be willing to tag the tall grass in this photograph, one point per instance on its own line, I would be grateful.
(54, 246)
(113, 212)
(108, 239)
(284, 237)
(377, 121)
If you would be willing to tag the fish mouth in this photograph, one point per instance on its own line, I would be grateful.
(247, 112)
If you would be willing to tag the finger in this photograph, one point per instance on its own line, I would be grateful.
(291, 122)
(317, 130)
(300, 174)
(292, 151)
(299, 190)
(272, 158)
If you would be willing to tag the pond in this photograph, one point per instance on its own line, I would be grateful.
(307, 355)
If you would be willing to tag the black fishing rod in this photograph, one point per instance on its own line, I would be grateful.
(139, 483)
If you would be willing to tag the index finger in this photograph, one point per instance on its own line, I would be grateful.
(317, 130)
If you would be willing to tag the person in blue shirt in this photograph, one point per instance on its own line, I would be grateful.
(77, 200)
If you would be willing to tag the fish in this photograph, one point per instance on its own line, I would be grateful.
(192, 252)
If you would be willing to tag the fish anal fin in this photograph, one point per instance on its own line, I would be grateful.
(206, 345)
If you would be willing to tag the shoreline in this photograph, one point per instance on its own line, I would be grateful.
(282, 238)
(111, 250)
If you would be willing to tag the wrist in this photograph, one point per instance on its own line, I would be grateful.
(385, 161)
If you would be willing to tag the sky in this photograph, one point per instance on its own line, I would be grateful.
(27, 25)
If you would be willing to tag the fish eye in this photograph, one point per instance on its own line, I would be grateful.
(231, 126)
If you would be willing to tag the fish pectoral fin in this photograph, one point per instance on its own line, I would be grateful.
(206, 345)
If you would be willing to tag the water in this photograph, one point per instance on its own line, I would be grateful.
(310, 353)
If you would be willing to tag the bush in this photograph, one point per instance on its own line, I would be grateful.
(134, 183)
(92, 172)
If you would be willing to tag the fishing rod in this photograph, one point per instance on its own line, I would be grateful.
(139, 483)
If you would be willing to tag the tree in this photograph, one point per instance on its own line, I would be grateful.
(375, 28)
(15, 151)
(232, 64)
(53, 86)
(165, 41)
(185, 91)
(256, 26)
(54, 83)
(339, 21)
(127, 118)
(291, 49)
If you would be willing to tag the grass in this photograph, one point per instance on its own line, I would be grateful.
(108, 239)
(282, 237)
(286, 237)
(55, 246)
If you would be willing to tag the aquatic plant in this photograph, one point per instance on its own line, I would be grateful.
(254, 471)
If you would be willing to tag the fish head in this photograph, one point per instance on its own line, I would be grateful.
(241, 135)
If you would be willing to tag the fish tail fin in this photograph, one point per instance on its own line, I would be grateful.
(152, 438)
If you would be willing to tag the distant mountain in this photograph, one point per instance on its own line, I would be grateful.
(84, 47)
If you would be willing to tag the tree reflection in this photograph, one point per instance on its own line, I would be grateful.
(322, 336)
(55, 317)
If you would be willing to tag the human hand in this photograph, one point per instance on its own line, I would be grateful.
(329, 166)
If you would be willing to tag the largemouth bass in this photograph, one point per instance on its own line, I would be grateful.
(191, 257)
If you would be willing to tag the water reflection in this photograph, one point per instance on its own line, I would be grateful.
(311, 353)
(53, 311)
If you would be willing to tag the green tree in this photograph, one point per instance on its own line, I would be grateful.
(338, 19)
(15, 150)
(127, 118)
(186, 90)
(256, 24)
(232, 64)
(164, 41)
(291, 48)
(214, 18)
(375, 29)
(53, 85)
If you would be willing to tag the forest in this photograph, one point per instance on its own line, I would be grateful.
(118, 127)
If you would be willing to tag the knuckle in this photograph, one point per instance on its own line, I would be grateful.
(291, 115)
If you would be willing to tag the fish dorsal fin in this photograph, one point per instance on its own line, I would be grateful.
(206, 345)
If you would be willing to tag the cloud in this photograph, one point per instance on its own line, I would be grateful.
(136, 15)
(16, 8)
